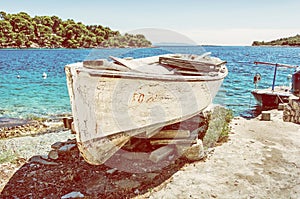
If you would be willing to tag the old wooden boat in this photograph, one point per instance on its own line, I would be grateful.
(114, 100)
(270, 98)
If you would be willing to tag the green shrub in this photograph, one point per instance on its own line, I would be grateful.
(218, 128)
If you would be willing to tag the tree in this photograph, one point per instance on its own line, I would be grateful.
(3, 15)
(22, 30)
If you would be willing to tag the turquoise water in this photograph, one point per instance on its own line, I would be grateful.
(32, 95)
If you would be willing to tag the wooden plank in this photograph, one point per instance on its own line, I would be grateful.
(172, 141)
(165, 134)
(136, 156)
(189, 72)
(275, 64)
(152, 131)
(68, 122)
(200, 66)
(141, 66)
(161, 153)
(103, 64)
(265, 115)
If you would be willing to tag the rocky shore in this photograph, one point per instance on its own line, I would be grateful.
(259, 160)
(16, 127)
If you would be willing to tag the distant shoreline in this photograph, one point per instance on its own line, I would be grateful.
(278, 46)
(293, 41)
(62, 48)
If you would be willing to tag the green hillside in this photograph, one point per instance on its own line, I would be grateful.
(23, 31)
(289, 41)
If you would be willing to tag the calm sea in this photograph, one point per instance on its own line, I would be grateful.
(25, 93)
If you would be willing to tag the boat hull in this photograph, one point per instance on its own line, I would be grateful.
(268, 99)
(109, 108)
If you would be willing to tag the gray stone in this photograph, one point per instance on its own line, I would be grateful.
(111, 171)
(127, 184)
(53, 155)
(96, 184)
(57, 145)
(194, 152)
(40, 160)
(67, 148)
(73, 194)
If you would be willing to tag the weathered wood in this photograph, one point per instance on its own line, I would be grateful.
(172, 141)
(161, 153)
(136, 155)
(119, 103)
(104, 65)
(281, 106)
(152, 131)
(265, 115)
(200, 66)
(132, 144)
(141, 66)
(192, 72)
(68, 122)
(166, 134)
(275, 64)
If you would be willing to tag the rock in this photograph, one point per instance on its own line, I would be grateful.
(111, 171)
(127, 184)
(161, 153)
(193, 153)
(67, 148)
(96, 184)
(34, 45)
(57, 145)
(151, 176)
(73, 195)
(40, 160)
(136, 192)
(53, 154)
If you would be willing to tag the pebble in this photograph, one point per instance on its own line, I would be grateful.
(73, 194)
(111, 171)
(28, 146)
(67, 147)
(136, 192)
(53, 155)
(40, 160)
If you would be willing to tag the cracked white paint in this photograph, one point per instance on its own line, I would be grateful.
(103, 105)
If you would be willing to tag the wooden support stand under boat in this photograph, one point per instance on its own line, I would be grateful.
(169, 140)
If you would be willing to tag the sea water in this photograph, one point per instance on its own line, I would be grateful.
(26, 93)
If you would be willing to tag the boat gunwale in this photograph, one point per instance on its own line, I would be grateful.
(148, 76)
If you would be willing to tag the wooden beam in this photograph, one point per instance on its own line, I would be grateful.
(136, 156)
(167, 134)
(161, 153)
(275, 64)
(172, 141)
(68, 122)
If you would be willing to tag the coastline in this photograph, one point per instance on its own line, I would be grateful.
(259, 160)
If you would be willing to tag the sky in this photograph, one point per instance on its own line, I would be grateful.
(214, 22)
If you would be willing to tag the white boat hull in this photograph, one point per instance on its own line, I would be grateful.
(110, 107)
